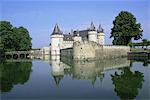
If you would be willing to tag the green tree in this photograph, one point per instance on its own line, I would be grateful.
(23, 41)
(13, 38)
(1, 45)
(125, 28)
(1, 50)
(6, 35)
(145, 42)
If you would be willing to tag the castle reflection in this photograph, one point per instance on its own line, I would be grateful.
(80, 70)
(126, 83)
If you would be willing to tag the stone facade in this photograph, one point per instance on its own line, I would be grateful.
(62, 41)
(88, 50)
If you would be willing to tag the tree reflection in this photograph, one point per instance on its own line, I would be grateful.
(127, 83)
(13, 73)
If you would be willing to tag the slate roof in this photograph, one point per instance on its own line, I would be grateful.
(57, 30)
(83, 34)
(68, 37)
(92, 27)
(100, 29)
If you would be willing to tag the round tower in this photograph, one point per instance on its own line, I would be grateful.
(100, 35)
(56, 41)
(92, 34)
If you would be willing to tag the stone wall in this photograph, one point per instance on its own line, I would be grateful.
(109, 51)
(46, 50)
(66, 53)
(67, 44)
(87, 50)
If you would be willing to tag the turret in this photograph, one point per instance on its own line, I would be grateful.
(92, 34)
(56, 41)
(100, 35)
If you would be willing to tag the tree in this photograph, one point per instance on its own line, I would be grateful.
(6, 35)
(125, 28)
(145, 42)
(1, 49)
(23, 41)
(1, 45)
(13, 38)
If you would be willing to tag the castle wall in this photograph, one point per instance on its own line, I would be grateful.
(77, 38)
(109, 51)
(67, 44)
(84, 49)
(66, 53)
(92, 51)
(46, 50)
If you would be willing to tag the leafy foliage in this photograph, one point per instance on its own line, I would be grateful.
(12, 38)
(144, 42)
(125, 28)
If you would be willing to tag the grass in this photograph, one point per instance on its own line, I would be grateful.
(139, 50)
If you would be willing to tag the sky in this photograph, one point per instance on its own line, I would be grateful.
(40, 16)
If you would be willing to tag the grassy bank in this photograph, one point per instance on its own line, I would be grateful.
(139, 50)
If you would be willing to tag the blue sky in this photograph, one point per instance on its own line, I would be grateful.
(40, 16)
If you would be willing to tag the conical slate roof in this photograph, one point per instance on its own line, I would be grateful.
(56, 30)
(92, 27)
(100, 29)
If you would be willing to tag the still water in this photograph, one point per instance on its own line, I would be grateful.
(66, 79)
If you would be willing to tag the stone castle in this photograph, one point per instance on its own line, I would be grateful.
(61, 41)
(82, 45)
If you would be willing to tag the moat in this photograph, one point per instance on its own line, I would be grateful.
(45, 79)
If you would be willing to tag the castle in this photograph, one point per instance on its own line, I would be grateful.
(82, 45)
(61, 41)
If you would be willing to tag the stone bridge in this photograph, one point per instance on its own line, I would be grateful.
(21, 54)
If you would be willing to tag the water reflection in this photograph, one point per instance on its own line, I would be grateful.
(94, 69)
(85, 70)
(57, 71)
(121, 78)
(127, 83)
(144, 60)
(13, 73)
